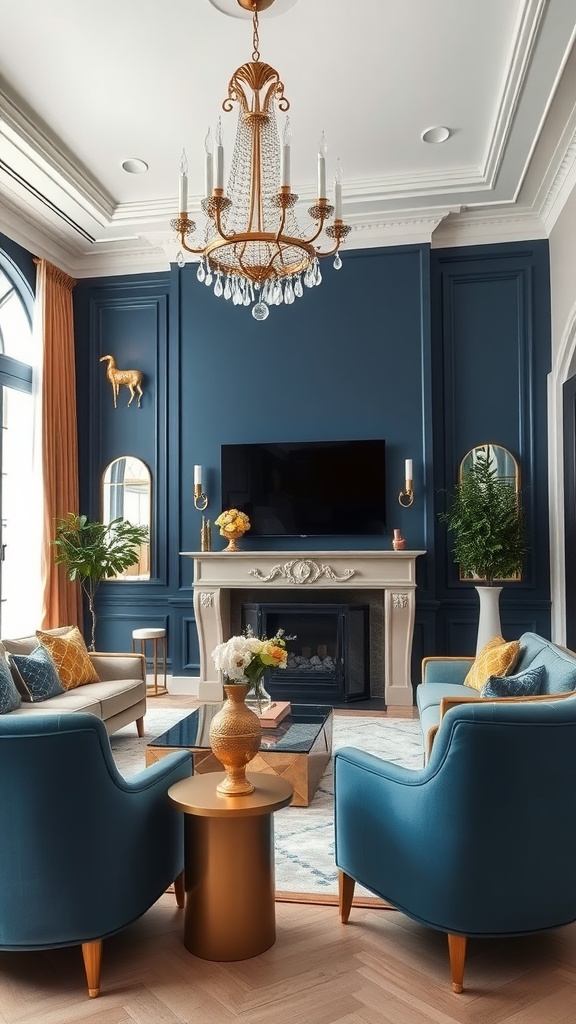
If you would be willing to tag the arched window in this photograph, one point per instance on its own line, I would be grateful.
(19, 518)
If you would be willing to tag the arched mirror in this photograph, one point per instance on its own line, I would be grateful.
(506, 468)
(499, 459)
(127, 494)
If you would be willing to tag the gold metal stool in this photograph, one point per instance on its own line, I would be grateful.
(155, 635)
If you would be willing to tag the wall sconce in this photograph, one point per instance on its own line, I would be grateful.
(406, 497)
(200, 499)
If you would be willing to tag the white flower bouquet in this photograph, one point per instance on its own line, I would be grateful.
(244, 659)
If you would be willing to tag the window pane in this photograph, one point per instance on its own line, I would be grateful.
(20, 573)
(15, 330)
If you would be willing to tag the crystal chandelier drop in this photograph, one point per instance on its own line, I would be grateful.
(254, 251)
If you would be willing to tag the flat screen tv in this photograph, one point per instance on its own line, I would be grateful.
(307, 488)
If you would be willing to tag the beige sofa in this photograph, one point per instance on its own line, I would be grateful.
(118, 698)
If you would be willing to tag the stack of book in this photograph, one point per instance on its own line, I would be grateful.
(273, 715)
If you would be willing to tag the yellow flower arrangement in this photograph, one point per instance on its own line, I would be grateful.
(233, 524)
(232, 521)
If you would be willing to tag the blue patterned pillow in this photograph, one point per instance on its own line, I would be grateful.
(36, 675)
(524, 684)
(10, 699)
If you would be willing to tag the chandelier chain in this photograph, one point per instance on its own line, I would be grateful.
(255, 37)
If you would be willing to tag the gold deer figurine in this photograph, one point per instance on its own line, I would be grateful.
(131, 378)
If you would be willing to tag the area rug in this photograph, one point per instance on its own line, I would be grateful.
(304, 836)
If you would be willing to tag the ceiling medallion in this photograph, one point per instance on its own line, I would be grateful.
(244, 8)
(253, 248)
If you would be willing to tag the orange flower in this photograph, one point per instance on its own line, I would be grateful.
(272, 654)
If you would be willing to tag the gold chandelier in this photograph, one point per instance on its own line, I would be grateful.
(253, 248)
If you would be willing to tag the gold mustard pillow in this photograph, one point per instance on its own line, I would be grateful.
(497, 658)
(69, 654)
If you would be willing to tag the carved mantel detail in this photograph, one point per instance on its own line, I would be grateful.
(207, 599)
(399, 600)
(302, 570)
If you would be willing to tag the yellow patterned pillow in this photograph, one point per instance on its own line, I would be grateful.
(497, 658)
(69, 654)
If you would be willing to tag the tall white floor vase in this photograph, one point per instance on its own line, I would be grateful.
(489, 621)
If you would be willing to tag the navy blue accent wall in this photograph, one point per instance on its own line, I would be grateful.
(128, 318)
(433, 350)
(491, 344)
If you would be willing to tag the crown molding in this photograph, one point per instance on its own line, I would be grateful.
(484, 227)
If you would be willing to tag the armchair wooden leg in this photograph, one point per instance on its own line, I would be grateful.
(140, 726)
(345, 894)
(179, 889)
(92, 953)
(457, 951)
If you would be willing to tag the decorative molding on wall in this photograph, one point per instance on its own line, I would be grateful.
(145, 306)
(500, 293)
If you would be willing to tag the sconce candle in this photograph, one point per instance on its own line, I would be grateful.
(200, 499)
(406, 496)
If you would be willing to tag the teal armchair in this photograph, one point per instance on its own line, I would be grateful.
(482, 841)
(83, 851)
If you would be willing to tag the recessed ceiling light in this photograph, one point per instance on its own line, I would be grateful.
(134, 166)
(437, 134)
(233, 9)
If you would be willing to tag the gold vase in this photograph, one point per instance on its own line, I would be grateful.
(232, 538)
(235, 735)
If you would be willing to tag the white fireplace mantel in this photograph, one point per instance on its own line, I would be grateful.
(216, 573)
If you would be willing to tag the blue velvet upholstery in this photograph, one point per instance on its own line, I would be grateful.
(36, 675)
(522, 684)
(497, 793)
(10, 698)
(83, 851)
(444, 677)
(559, 664)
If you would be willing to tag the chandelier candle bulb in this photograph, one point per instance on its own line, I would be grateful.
(338, 192)
(208, 165)
(183, 183)
(198, 475)
(219, 157)
(322, 168)
(408, 470)
(285, 170)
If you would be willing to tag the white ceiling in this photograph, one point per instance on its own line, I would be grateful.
(84, 86)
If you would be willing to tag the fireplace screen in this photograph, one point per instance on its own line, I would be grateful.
(328, 657)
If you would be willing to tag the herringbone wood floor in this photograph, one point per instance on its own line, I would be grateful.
(381, 968)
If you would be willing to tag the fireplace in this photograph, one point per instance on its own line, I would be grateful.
(327, 652)
(326, 575)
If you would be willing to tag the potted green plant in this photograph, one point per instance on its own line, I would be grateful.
(485, 516)
(94, 551)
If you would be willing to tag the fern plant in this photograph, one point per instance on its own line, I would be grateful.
(93, 552)
(487, 521)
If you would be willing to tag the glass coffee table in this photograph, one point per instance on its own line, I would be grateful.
(298, 749)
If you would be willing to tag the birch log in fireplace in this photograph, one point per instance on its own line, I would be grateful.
(320, 573)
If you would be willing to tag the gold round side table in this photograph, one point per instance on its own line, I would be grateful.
(229, 865)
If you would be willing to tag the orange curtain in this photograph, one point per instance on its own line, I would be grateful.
(62, 600)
